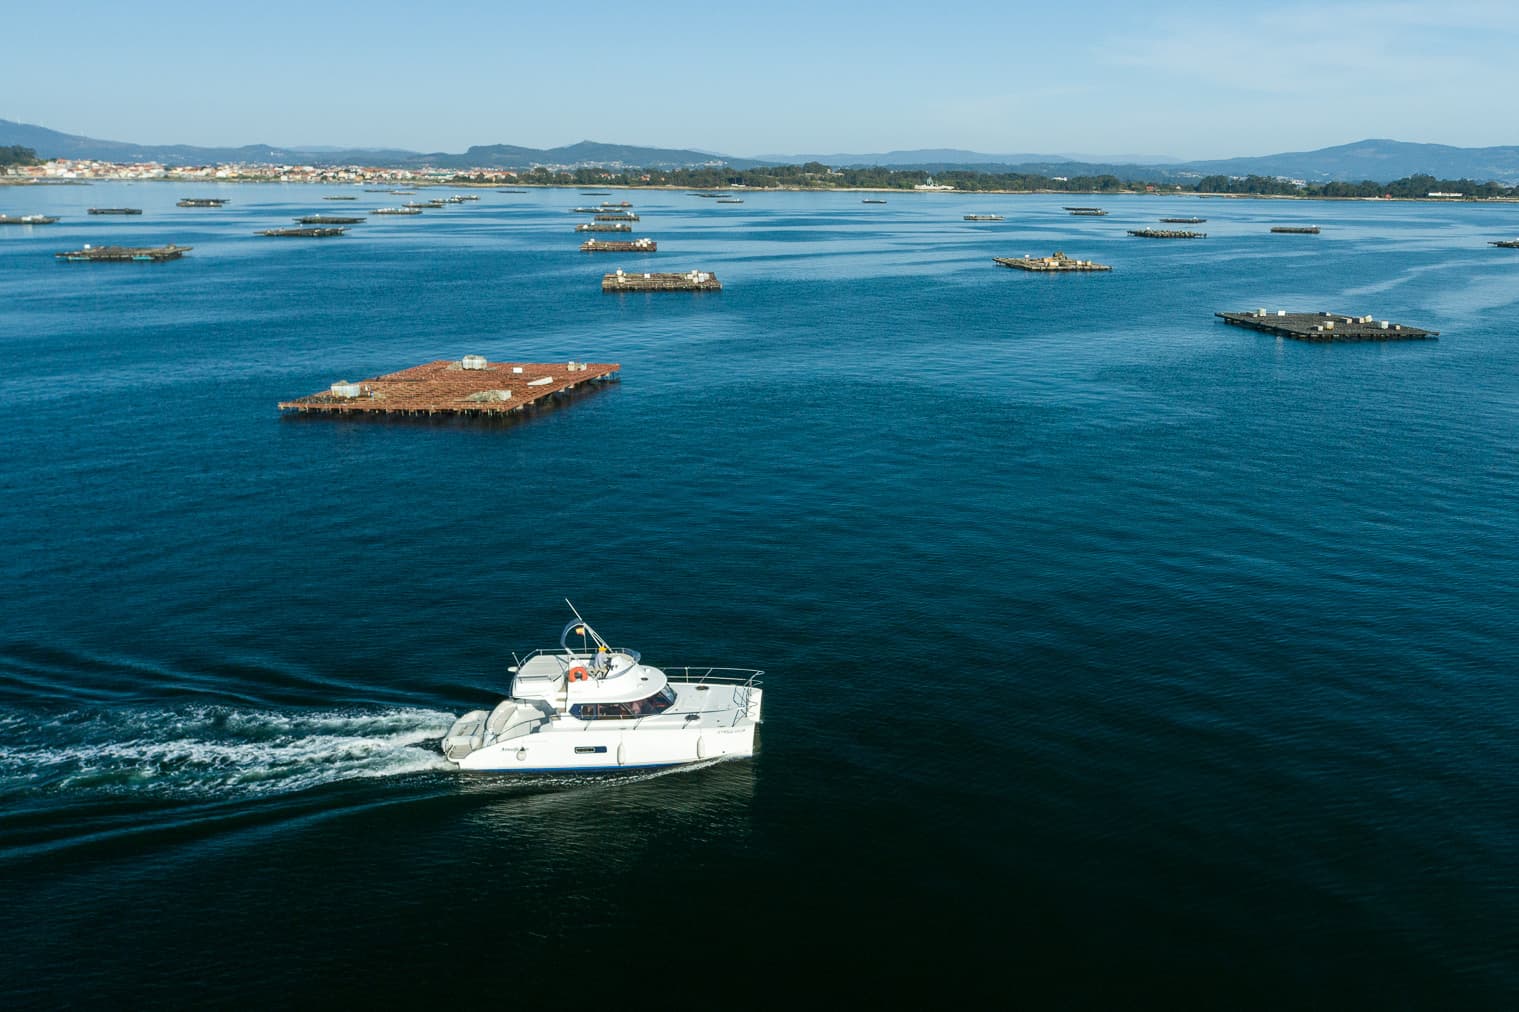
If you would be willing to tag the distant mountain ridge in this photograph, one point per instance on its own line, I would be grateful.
(955, 156)
(1380, 160)
(53, 144)
(585, 153)
(1377, 159)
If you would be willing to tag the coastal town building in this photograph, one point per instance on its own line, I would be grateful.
(71, 169)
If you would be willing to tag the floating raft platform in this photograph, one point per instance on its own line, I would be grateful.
(27, 219)
(1296, 229)
(984, 217)
(201, 202)
(340, 198)
(1088, 212)
(1325, 326)
(1055, 263)
(1506, 243)
(872, 200)
(617, 216)
(1183, 221)
(326, 219)
(604, 226)
(730, 200)
(1073, 210)
(1166, 233)
(421, 204)
(619, 246)
(114, 210)
(690, 281)
(304, 233)
(397, 210)
(155, 254)
(461, 387)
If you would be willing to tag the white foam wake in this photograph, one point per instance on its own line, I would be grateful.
(213, 751)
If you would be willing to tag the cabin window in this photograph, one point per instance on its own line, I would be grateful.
(657, 703)
(590, 749)
(600, 711)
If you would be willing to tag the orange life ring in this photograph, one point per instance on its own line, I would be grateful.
(579, 674)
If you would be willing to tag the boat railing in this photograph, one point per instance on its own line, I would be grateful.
(584, 655)
(748, 677)
(744, 680)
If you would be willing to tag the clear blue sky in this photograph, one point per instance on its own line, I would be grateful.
(1150, 77)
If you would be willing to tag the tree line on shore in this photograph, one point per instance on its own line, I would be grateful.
(15, 154)
(816, 175)
(1418, 185)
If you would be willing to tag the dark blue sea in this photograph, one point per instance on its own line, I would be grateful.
(1113, 655)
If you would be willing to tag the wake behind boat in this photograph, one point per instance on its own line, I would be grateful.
(594, 707)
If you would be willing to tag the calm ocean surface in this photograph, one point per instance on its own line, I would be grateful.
(1112, 653)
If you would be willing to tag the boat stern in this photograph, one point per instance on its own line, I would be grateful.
(465, 736)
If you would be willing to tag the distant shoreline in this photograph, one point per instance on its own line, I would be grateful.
(661, 187)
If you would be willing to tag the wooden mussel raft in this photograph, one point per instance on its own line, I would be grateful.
(1055, 263)
(397, 210)
(152, 254)
(690, 281)
(1325, 326)
(114, 210)
(1505, 243)
(1183, 221)
(27, 219)
(201, 202)
(304, 232)
(604, 226)
(619, 246)
(617, 216)
(326, 219)
(340, 198)
(471, 386)
(1296, 229)
(1087, 212)
(1166, 233)
(983, 217)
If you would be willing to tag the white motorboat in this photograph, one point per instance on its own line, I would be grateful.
(592, 707)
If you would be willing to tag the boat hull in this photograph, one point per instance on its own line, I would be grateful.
(601, 751)
(561, 745)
